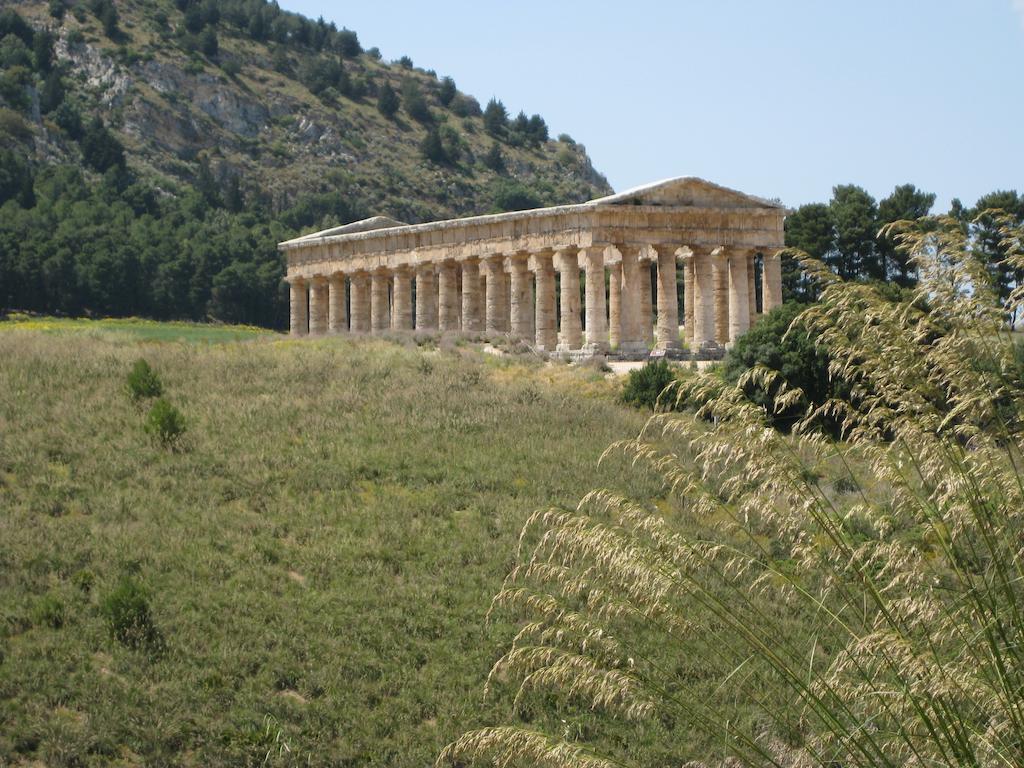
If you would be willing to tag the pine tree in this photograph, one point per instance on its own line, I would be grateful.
(495, 117)
(432, 148)
(387, 101)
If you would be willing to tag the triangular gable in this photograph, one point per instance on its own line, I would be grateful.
(686, 191)
(363, 225)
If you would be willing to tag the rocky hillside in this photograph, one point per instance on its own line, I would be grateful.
(153, 153)
(285, 106)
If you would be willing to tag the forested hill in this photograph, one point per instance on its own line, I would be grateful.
(153, 153)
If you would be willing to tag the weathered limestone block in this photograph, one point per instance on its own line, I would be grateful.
(752, 286)
(597, 320)
(506, 296)
(771, 281)
(494, 281)
(360, 303)
(570, 335)
(720, 276)
(630, 341)
(448, 296)
(704, 300)
(614, 305)
(739, 302)
(668, 299)
(646, 304)
(318, 305)
(521, 308)
(337, 306)
(688, 294)
(426, 313)
(472, 322)
(380, 310)
(297, 321)
(403, 299)
(545, 327)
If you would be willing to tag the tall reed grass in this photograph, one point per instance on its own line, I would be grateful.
(874, 621)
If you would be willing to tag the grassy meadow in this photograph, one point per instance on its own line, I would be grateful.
(317, 555)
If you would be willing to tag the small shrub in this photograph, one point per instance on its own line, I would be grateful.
(143, 381)
(49, 611)
(644, 386)
(165, 422)
(844, 484)
(127, 612)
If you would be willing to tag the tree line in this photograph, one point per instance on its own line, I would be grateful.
(846, 234)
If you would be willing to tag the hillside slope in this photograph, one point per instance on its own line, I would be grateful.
(316, 566)
(176, 122)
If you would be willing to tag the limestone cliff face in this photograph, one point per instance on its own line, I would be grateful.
(247, 111)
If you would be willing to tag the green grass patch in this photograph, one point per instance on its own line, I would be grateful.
(313, 571)
(136, 329)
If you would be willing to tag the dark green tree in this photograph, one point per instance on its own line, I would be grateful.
(446, 92)
(432, 148)
(52, 94)
(494, 159)
(810, 229)
(387, 101)
(348, 44)
(855, 217)
(906, 202)
(208, 43)
(42, 50)
(414, 101)
(100, 149)
(206, 185)
(794, 355)
(495, 118)
(984, 225)
(110, 20)
(538, 129)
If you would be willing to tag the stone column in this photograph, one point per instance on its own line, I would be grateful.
(704, 299)
(521, 309)
(630, 341)
(544, 325)
(739, 302)
(668, 299)
(403, 299)
(771, 280)
(494, 280)
(615, 305)
(380, 314)
(752, 285)
(570, 333)
(720, 277)
(646, 305)
(506, 295)
(360, 303)
(597, 319)
(298, 315)
(337, 306)
(689, 278)
(318, 305)
(472, 322)
(447, 297)
(426, 317)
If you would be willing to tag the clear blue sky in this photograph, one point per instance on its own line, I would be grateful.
(779, 99)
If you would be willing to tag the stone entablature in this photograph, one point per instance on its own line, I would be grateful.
(479, 274)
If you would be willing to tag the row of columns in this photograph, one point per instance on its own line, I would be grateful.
(516, 295)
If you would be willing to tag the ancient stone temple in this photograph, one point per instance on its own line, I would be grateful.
(519, 273)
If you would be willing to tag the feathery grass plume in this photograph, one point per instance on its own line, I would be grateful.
(877, 626)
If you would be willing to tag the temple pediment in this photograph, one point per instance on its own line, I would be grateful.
(363, 225)
(686, 191)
